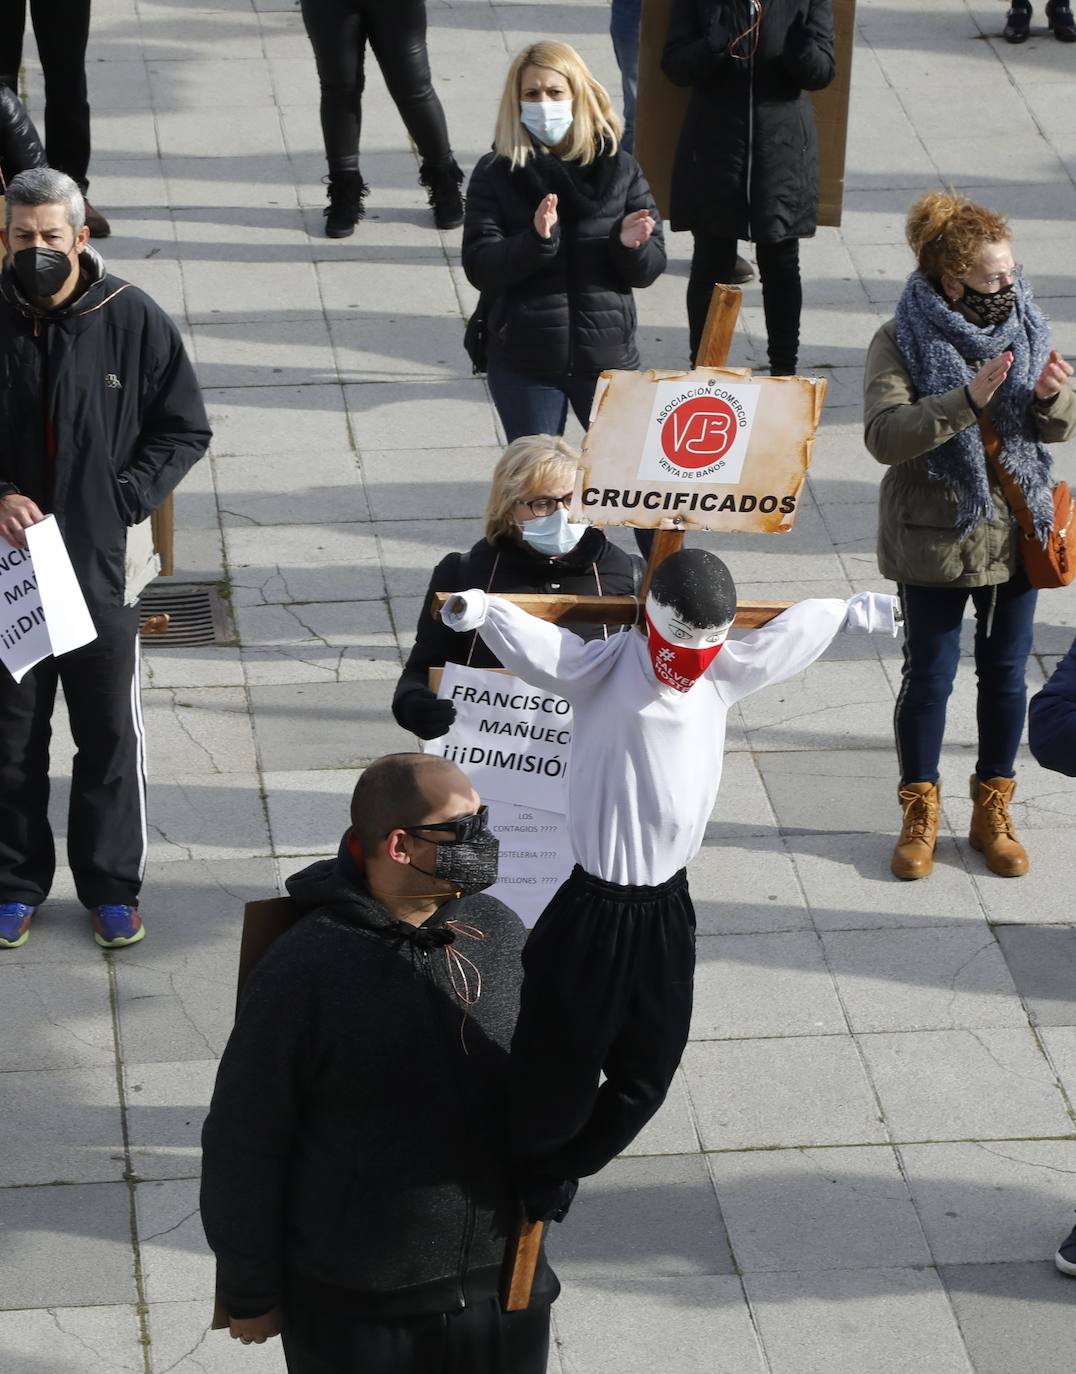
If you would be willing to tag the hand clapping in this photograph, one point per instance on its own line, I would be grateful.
(637, 228)
(1053, 378)
(545, 217)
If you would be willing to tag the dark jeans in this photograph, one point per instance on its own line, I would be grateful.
(932, 619)
(714, 260)
(62, 28)
(396, 31)
(624, 19)
(106, 827)
(538, 405)
(479, 1340)
(607, 987)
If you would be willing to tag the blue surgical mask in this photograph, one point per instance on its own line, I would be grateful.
(552, 534)
(547, 120)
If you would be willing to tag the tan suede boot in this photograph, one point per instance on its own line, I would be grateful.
(914, 855)
(992, 829)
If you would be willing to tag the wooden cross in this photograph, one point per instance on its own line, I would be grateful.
(525, 1247)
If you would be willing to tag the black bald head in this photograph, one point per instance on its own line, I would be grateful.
(697, 587)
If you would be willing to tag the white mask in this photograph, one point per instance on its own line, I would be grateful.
(552, 534)
(547, 120)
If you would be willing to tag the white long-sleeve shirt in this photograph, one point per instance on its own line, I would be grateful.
(646, 759)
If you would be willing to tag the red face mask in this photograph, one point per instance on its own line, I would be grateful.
(679, 654)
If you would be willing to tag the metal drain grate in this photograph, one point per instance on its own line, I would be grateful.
(182, 615)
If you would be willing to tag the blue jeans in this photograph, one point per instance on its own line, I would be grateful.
(624, 19)
(537, 405)
(932, 617)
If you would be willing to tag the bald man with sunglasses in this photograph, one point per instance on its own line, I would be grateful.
(356, 1184)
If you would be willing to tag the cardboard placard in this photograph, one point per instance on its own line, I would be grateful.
(661, 106)
(711, 449)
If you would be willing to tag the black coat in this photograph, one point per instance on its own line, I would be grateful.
(1051, 719)
(519, 570)
(357, 1141)
(563, 305)
(747, 161)
(100, 416)
(20, 146)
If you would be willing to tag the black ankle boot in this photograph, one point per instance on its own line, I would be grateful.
(1059, 17)
(443, 183)
(1017, 23)
(345, 207)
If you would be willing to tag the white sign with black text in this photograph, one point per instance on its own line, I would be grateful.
(42, 609)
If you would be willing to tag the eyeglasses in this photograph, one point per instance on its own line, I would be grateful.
(463, 831)
(1002, 279)
(546, 505)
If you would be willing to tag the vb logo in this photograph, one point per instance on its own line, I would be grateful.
(699, 432)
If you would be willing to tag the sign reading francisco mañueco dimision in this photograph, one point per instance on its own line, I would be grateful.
(713, 449)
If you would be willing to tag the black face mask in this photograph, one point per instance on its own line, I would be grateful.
(991, 307)
(470, 867)
(41, 272)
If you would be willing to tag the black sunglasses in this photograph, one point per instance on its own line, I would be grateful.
(463, 831)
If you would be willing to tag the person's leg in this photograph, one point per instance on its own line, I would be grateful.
(62, 33)
(397, 32)
(106, 837)
(580, 392)
(482, 1339)
(526, 405)
(318, 1339)
(713, 260)
(12, 27)
(1003, 635)
(782, 302)
(27, 852)
(624, 19)
(338, 37)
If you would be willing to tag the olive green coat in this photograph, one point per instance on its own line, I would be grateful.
(918, 542)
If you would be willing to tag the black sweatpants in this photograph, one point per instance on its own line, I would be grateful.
(608, 973)
(479, 1340)
(714, 260)
(106, 825)
(62, 29)
(396, 30)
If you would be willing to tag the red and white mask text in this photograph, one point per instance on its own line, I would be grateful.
(679, 652)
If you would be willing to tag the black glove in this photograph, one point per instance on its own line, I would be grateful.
(719, 35)
(797, 38)
(548, 1199)
(424, 713)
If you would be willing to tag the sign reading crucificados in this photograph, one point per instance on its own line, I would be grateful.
(699, 431)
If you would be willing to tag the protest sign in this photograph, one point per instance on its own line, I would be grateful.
(514, 741)
(42, 609)
(711, 449)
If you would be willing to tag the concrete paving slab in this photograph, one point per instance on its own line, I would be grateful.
(965, 1085)
(746, 887)
(387, 415)
(813, 1210)
(232, 355)
(816, 1093)
(206, 816)
(749, 986)
(643, 1218)
(166, 1105)
(992, 1201)
(326, 724)
(176, 1262)
(743, 807)
(937, 979)
(62, 1012)
(1042, 962)
(72, 1340)
(60, 1126)
(1013, 1316)
(391, 478)
(885, 1320)
(286, 489)
(672, 1131)
(839, 790)
(250, 420)
(198, 729)
(1060, 1042)
(837, 705)
(215, 666)
(66, 1247)
(308, 809)
(182, 1343)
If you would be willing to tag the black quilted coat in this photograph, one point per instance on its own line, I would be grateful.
(563, 305)
(747, 161)
(20, 147)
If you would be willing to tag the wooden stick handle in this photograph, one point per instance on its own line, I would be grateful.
(524, 1249)
(613, 610)
(719, 327)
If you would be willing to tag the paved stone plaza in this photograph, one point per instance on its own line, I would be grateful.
(869, 1154)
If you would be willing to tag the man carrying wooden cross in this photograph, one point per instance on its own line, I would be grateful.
(609, 966)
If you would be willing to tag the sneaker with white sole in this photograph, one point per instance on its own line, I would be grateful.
(115, 925)
(15, 918)
(1065, 1259)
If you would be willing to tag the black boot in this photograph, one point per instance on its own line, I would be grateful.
(345, 207)
(1017, 23)
(443, 183)
(1059, 17)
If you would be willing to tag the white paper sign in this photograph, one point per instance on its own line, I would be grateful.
(512, 740)
(42, 609)
(535, 857)
(699, 431)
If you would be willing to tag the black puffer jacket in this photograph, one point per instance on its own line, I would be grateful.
(563, 305)
(356, 1143)
(20, 146)
(747, 161)
(595, 567)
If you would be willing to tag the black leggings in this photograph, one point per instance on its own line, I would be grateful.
(782, 294)
(396, 30)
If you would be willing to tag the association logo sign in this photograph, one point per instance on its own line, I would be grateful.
(699, 431)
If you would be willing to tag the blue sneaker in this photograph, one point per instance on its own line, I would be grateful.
(15, 918)
(116, 925)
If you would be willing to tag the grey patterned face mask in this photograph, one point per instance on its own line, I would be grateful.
(470, 866)
(992, 307)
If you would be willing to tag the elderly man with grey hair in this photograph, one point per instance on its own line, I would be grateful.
(100, 417)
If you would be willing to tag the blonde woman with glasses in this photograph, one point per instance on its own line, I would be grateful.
(560, 226)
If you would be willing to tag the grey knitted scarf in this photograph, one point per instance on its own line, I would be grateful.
(942, 350)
